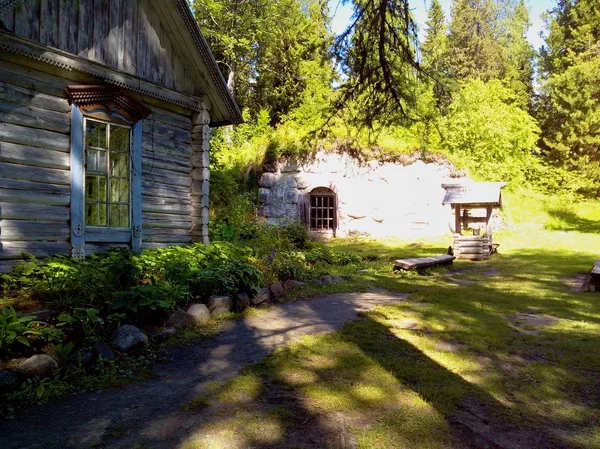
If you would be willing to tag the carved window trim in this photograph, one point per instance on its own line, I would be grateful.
(113, 106)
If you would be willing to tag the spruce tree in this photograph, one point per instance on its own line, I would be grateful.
(569, 109)
(474, 48)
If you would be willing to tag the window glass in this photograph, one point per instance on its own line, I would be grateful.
(107, 174)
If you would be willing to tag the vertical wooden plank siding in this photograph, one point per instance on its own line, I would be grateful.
(115, 34)
(77, 200)
(130, 36)
(49, 23)
(101, 22)
(67, 29)
(85, 33)
(142, 23)
(8, 19)
(136, 188)
(27, 23)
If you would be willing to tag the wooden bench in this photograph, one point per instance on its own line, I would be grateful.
(595, 277)
(420, 263)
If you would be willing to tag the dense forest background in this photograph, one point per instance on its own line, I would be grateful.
(474, 90)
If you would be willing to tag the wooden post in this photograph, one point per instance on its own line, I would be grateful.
(77, 200)
(200, 175)
(488, 223)
(457, 227)
(136, 188)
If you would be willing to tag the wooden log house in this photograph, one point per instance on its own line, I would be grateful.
(473, 205)
(105, 115)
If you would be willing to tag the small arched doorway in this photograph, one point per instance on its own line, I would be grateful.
(323, 210)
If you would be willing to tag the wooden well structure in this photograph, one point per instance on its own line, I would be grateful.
(473, 206)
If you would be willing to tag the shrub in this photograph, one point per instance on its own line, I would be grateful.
(14, 329)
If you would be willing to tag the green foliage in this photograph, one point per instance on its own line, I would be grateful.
(488, 133)
(141, 300)
(87, 320)
(62, 352)
(14, 329)
(322, 253)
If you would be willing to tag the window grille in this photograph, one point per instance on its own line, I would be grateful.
(107, 174)
(322, 210)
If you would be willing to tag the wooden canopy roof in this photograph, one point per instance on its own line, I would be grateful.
(475, 194)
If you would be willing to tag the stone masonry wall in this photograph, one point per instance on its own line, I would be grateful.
(373, 198)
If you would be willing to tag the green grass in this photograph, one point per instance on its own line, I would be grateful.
(378, 385)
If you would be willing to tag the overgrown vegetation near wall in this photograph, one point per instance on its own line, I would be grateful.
(471, 98)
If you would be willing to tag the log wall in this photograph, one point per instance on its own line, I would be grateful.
(35, 167)
(34, 164)
(472, 247)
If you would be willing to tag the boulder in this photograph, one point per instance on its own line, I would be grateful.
(242, 301)
(291, 284)
(301, 182)
(164, 335)
(87, 358)
(179, 318)
(326, 279)
(271, 167)
(104, 351)
(277, 290)
(291, 196)
(263, 295)
(219, 302)
(316, 282)
(268, 180)
(9, 381)
(38, 365)
(129, 337)
(263, 195)
(42, 315)
(336, 279)
(200, 313)
(219, 311)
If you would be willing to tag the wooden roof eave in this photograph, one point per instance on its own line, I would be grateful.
(67, 61)
(224, 109)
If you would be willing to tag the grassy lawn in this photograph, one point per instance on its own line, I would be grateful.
(503, 349)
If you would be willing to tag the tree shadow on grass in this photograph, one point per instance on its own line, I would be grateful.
(567, 220)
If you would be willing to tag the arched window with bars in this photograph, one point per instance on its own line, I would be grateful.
(323, 209)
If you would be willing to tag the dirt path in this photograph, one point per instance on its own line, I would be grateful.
(149, 411)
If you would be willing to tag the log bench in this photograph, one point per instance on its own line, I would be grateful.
(595, 277)
(421, 263)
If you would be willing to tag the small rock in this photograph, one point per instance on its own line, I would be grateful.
(42, 315)
(9, 381)
(38, 365)
(199, 312)
(326, 279)
(277, 290)
(219, 302)
(263, 295)
(220, 311)
(87, 358)
(291, 284)
(129, 337)
(164, 335)
(179, 318)
(406, 323)
(242, 301)
(104, 351)
(270, 167)
(316, 282)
